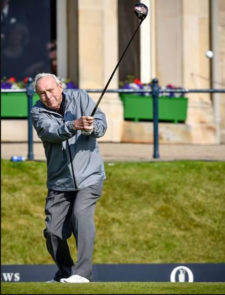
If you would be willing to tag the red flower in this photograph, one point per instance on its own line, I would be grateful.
(25, 80)
(170, 86)
(137, 81)
(11, 80)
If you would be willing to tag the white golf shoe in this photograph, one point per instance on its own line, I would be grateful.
(75, 279)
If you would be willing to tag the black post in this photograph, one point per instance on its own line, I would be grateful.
(155, 95)
(30, 93)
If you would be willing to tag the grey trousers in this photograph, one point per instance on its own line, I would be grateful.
(70, 213)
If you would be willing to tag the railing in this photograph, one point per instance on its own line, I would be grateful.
(155, 91)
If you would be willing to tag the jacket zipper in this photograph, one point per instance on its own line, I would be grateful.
(70, 153)
(71, 162)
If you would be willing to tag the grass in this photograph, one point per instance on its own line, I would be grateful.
(114, 288)
(156, 212)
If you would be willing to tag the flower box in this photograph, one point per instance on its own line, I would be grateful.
(15, 104)
(140, 108)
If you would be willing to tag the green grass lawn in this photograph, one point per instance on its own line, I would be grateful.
(114, 288)
(156, 212)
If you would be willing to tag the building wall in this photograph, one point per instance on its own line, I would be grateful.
(169, 42)
(182, 40)
(98, 56)
(221, 67)
(182, 35)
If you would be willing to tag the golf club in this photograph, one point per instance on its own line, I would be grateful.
(141, 11)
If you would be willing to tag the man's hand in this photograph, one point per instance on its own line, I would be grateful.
(84, 123)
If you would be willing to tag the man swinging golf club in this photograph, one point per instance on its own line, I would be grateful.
(75, 172)
(69, 123)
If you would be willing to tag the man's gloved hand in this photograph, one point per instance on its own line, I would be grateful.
(84, 132)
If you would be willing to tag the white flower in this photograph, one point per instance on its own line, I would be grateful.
(15, 86)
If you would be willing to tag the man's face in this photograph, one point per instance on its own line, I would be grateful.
(50, 92)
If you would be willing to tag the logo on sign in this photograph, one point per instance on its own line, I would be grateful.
(181, 274)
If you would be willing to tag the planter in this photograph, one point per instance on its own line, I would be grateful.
(140, 107)
(14, 104)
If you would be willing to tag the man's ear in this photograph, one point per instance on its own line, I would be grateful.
(60, 86)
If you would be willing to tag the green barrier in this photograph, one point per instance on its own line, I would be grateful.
(136, 107)
(140, 107)
(14, 104)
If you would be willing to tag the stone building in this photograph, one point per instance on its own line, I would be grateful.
(171, 45)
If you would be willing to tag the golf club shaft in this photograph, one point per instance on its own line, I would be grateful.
(107, 84)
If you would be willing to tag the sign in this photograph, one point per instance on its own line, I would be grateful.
(193, 272)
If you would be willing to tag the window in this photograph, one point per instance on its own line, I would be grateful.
(128, 22)
(28, 37)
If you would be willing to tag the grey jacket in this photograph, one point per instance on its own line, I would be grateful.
(63, 144)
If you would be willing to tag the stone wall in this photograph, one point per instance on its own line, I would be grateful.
(98, 56)
(182, 40)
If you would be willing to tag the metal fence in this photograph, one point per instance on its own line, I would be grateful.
(156, 91)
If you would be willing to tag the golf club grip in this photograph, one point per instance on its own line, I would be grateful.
(107, 84)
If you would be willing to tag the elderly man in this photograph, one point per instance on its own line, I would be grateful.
(75, 172)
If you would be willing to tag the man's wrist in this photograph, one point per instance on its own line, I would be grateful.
(71, 126)
(74, 126)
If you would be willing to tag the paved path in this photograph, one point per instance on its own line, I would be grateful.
(131, 152)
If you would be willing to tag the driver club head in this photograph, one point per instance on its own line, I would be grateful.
(141, 10)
